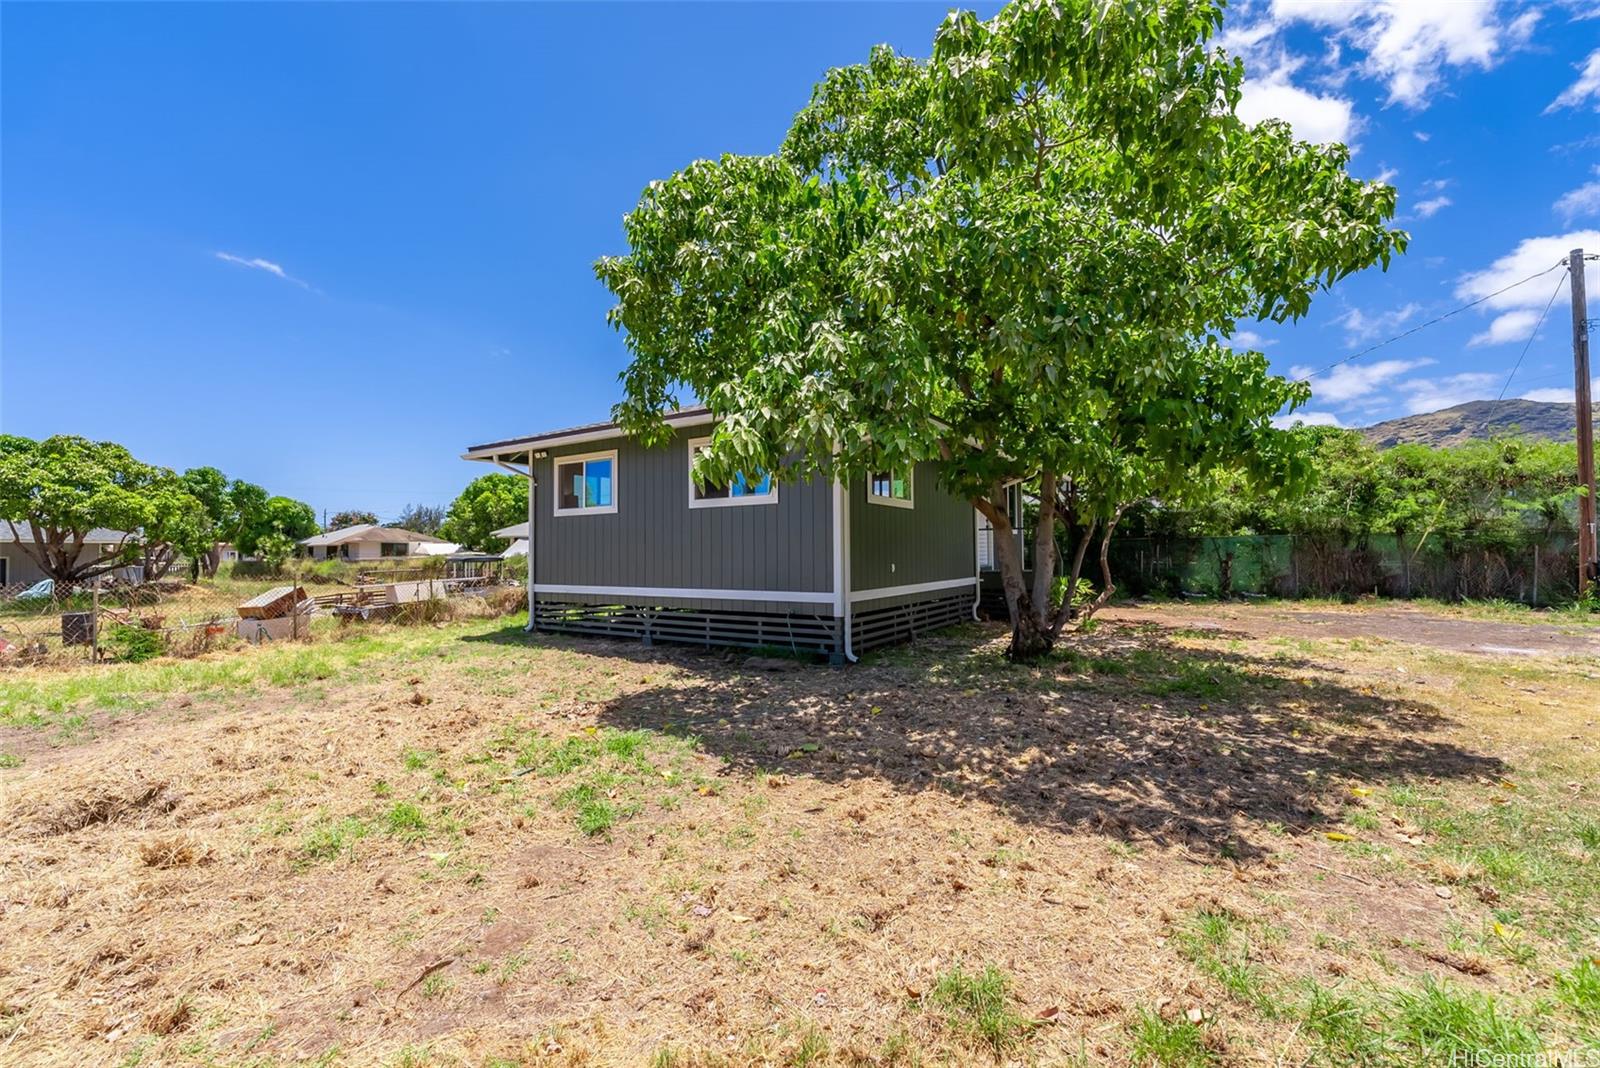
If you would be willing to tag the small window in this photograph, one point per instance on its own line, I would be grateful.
(755, 488)
(394, 548)
(890, 487)
(586, 484)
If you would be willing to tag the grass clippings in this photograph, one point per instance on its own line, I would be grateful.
(1166, 845)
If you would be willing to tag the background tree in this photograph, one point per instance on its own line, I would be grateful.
(1020, 259)
(177, 524)
(489, 503)
(293, 519)
(66, 486)
(422, 518)
(351, 518)
(274, 549)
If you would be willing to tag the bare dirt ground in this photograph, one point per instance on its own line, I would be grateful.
(1391, 622)
(1167, 845)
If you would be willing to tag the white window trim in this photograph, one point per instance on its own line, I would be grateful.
(584, 457)
(769, 497)
(896, 502)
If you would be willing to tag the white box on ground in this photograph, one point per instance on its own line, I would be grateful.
(410, 592)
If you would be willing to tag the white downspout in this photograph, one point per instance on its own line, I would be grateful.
(841, 564)
(533, 553)
(977, 567)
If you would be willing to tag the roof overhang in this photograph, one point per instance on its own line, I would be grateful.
(578, 435)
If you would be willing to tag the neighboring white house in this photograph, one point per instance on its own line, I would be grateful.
(17, 567)
(368, 541)
(517, 534)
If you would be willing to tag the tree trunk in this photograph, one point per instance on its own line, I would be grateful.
(1030, 634)
(1107, 588)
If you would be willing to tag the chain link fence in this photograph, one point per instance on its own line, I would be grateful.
(1283, 565)
(115, 619)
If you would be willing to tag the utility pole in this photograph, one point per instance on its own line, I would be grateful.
(1588, 569)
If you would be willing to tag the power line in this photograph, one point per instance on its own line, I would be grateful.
(1434, 321)
(1529, 343)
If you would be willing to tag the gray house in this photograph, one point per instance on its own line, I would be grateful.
(19, 569)
(623, 542)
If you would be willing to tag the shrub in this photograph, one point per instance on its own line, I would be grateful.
(134, 644)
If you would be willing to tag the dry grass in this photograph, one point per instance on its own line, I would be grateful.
(460, 846)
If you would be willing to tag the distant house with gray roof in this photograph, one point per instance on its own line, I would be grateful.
(18, 567)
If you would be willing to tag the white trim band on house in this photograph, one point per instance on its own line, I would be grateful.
(918, 587)
(824, 597)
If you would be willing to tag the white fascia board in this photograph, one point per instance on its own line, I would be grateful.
(581, 438)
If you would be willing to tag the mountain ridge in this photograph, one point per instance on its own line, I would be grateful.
(1477, 420)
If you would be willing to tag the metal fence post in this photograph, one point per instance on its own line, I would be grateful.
(94, 622)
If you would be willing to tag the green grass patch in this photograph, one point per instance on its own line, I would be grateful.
(1579, 990)
(1218, 943)
(977, 1006)
(41, 697)
(1175, 1043)
(330, 839)
(1437, 1023)
(405, 820)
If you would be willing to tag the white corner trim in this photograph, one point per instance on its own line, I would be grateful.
(730, 501)
(788, 596)
(917, 587)
(555, 483)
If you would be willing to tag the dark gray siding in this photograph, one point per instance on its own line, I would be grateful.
(655, 539)
(933, 541)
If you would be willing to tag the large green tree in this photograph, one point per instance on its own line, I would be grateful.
(351, 517)
(1020, 258)
(489, 503)
(292, 519)
(66, 486)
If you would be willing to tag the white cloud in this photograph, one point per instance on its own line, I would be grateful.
(1408, 44)
(1579, 202)
(1249, 339)
(1386, 175)
(1431, 394)
(1559, 394)
(1353, 381)
(1512, 326)
(1284, 422)
(1585, 89)
(1434, 185)
(258, 264)
(1422, 135)
(1432, 206)
(1359, 326)
(1531, 256)
(1318, 119)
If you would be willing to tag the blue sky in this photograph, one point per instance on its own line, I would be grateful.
(327, 247)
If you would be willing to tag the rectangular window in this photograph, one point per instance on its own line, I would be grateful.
(755, 488)
(586, 485)
(890, 487)
(394, 548)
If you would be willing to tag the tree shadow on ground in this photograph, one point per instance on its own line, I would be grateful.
(1127, 735)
